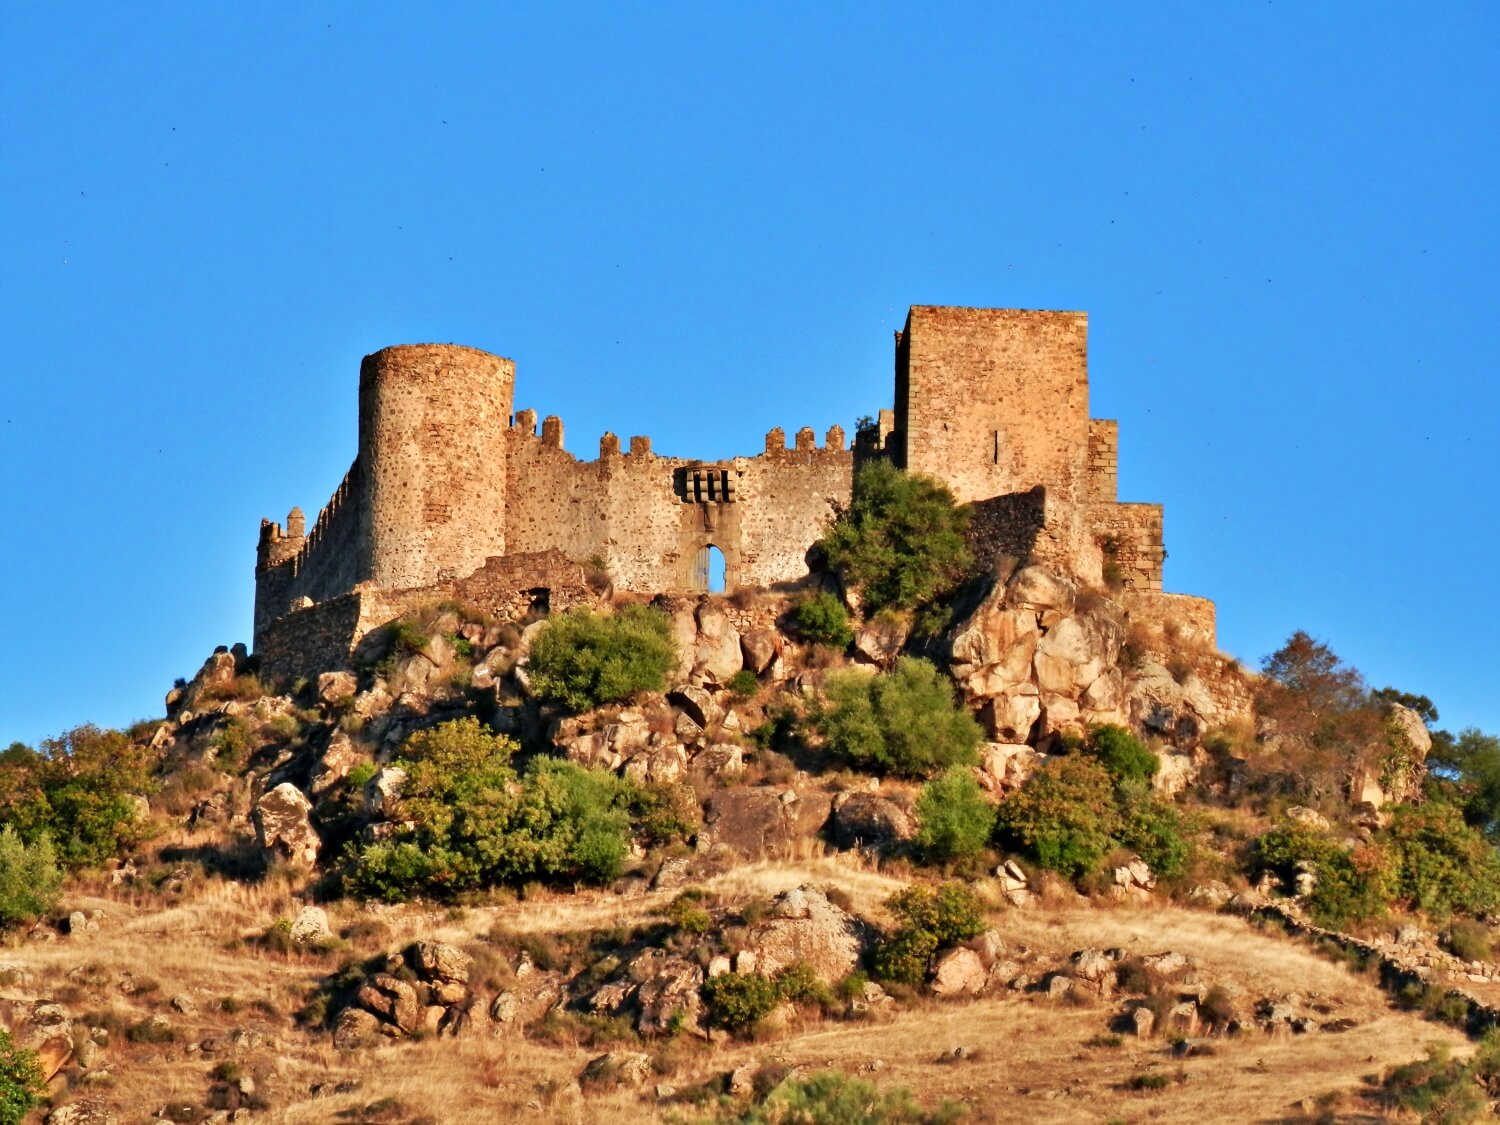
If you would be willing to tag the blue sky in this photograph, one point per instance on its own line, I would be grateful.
(697, 223)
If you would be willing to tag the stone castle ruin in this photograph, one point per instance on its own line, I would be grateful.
(454, 493)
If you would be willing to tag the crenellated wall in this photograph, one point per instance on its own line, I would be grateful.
(450, 483)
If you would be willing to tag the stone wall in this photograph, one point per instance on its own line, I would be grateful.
(307, 641)
(1104, 460)
(1131, 534)
(1175, 618)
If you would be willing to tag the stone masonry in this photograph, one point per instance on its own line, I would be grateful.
(450, 481)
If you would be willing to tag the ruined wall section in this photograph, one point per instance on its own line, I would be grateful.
(787, 498)
(1130, 535)
(1104, 460)
(432, 423)
(319, 565)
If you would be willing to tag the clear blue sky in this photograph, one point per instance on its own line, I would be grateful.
(698, 222)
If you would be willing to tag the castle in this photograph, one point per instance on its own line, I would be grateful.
(453, 492)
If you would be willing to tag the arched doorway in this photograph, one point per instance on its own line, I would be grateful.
(708, 570)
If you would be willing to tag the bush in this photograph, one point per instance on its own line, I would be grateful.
(1442, 865)
(743, 684)
(833, 1098)
(1152, 828)
(1064, 817)
(1350, 885)
(583, 660)
(954, 819)
(29, 877)
(1121, 753)
(471, 822)
(822, 619)
(738, 1001)
(904, 721)
(80, 790)
(21, 1085)
(1470, 941)
(901, 541)
(928, 921)
(1439, 1089)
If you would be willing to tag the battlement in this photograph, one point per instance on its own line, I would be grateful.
(448, 477)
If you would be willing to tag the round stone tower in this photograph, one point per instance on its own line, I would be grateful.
(432, 426)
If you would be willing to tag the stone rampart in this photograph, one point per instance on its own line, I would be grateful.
(450, 483)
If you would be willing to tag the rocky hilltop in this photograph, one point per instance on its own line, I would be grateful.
(1023, 850)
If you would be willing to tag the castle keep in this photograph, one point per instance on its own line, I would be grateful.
(454, 492)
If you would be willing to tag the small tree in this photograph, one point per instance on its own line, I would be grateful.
(1065, 816)
(953, 817)
(81, 790)
(903, 721)
(29, 877)
(902, 539)
(1321, 709)
(928, 921)
(469, 821)
(583, 659)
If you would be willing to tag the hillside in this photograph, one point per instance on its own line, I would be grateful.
(1024, 849)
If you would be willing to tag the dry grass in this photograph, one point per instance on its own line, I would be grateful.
(1030, 1058)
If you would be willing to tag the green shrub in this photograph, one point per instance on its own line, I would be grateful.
(1152, 828)
(954, 819)
(1350, 885)
(737, 1001)
(928, 921)
(743, 684)
(21, 1084)
(1121, 753)
(584, 660)
(29, 877)
(1438, 1089)
(1470, 941)
(797, 983)
(686, 915)
(471, 822)
(1064, 817)
(80, 790)
(1442, 865)
(822, 619)
(901, 541)
(904, 721)
(833, 1098)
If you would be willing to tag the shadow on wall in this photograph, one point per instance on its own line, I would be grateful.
(1007, 526)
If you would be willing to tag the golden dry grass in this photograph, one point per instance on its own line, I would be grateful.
(1030, 1059)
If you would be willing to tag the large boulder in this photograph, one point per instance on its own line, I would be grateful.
(335, 764)
(1159, 704)
(1037, 588)
(49, 1032)
(959, 972)
(755, 822)
(760, 647)
(438, 961)
(1004, 767)
(716, 649)
(670, 998)
(804, 926)
(335, 688)
(869, 820)
(284, 828)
